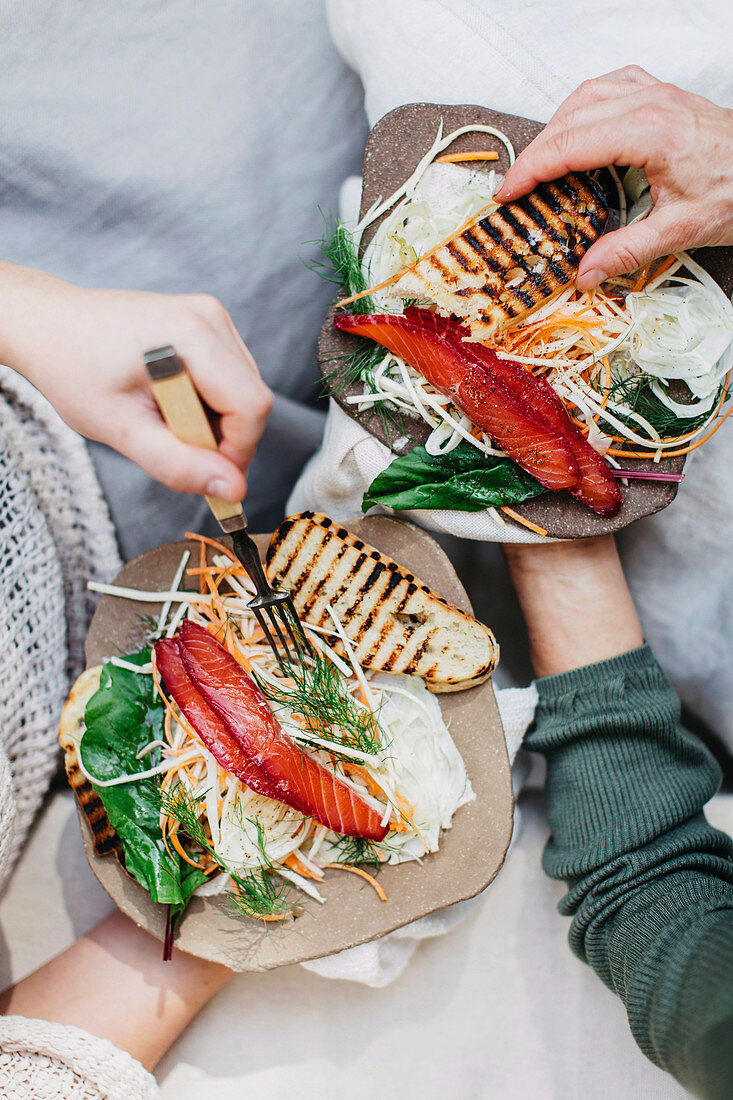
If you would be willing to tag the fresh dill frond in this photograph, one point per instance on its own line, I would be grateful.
(354, 366)
(358, 366)
(636, 393)
(256, 893)
(356, 849)
(341, 263)
(319, 696)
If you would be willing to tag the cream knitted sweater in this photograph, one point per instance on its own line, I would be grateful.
(55, 534)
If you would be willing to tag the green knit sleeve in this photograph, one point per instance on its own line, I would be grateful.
(650, 881)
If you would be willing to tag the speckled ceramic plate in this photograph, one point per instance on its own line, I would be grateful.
(471, 852)
(395, 146)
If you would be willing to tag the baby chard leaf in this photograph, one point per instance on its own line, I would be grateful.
(462, 480)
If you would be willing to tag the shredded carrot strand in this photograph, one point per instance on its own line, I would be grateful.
(394, 278)
(213, 543)
(456, 158)
(300, 868)
(525, 522)
(163, 829)
(648, 273)
(642, 280)
(258, 916)
(363, 874)
(369, 781)
(217, 570)
(173, 834)
(202, 563)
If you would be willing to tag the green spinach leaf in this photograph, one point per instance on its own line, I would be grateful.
(463, 480)
(121, 717)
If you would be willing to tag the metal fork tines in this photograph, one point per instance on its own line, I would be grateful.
(271, 605)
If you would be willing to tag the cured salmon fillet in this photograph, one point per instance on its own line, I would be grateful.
(597, 487)
(477, 389)
(305, 783)
(511, 260)
(208, 725)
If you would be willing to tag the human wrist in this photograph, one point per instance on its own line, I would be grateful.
(28, 296)
(575, 601)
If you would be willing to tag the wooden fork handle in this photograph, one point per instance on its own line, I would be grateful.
(183, 412)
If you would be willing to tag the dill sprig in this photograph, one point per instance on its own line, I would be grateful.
(356, 849)
(635, 392)
(319, 696)
(341, 265)
(255, 893)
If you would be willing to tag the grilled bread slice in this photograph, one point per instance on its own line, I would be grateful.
(394, 621)
(513, 259)
(71, 731)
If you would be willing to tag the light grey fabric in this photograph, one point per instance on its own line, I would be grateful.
(180, 147)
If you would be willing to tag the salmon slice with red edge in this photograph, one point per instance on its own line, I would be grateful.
(597, 487)
(304, 782)
(209, 726)
(483, 395)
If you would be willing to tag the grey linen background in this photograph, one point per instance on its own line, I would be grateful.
(160, 146)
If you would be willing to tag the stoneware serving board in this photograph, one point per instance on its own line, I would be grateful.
(471, 852)
(394, 148)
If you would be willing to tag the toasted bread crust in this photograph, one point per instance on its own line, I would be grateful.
(513, 259)
(71, 731)
(394, 621)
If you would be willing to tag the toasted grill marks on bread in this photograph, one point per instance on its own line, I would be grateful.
(514, 258)
(394, 621)
(71, 731)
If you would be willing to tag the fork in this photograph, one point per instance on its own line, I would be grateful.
(186, 417)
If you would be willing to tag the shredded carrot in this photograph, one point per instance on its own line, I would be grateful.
(172, 833)
(369, 781)
(213, 543)
(214, 570)
(202, 563)
(364, 874)
(525, 522)
(454, 158)
(647, 273)
(300, 868)
(642, 280)
(165, 839)
(258, 916)
(394, 278)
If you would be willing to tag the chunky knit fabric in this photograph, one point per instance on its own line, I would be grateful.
(650, 881)
(44, 1061)
(55, 534)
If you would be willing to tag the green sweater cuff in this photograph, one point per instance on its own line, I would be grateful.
(621, 769)
(650, 882)
(596, 676)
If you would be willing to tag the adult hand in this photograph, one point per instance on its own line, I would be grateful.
(683, 142)
(83, 349)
